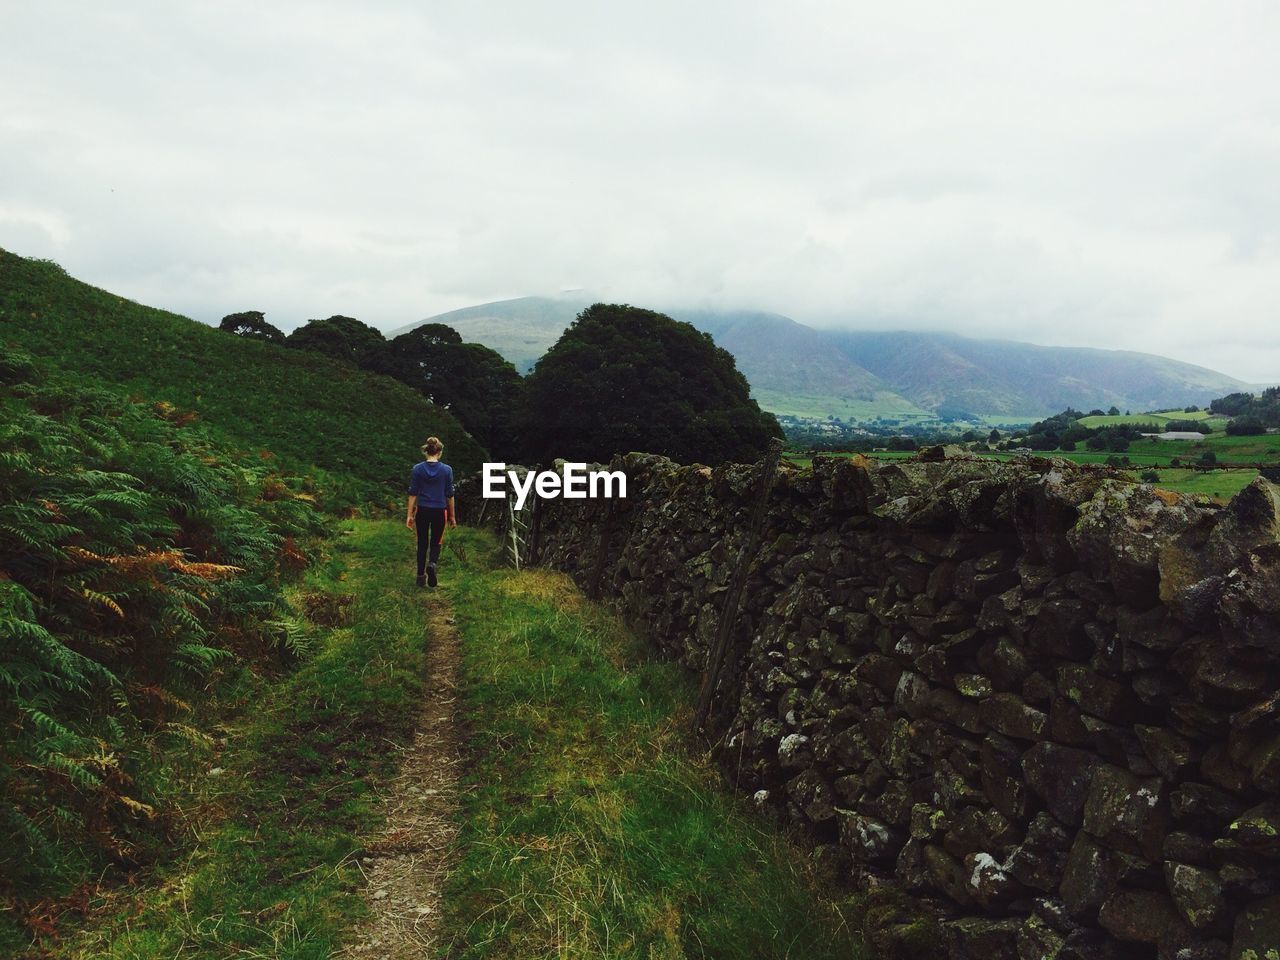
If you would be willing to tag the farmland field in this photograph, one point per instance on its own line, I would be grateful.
(1204, 417)
(1220, 484)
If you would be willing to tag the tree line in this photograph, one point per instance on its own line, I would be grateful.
(620, 378)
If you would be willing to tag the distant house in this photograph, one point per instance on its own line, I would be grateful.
(1177, 435)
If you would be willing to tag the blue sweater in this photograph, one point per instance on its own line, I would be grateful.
(432, 482)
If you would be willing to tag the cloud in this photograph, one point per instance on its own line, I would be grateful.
(1098, 174)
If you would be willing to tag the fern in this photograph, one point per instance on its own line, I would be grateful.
(129, 545)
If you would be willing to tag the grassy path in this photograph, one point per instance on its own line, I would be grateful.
(586, 827)
(406, 864)
(589, 828)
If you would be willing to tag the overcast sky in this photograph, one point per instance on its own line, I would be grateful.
(1103, 174)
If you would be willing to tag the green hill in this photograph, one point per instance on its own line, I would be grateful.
(796, 369)
(361, 428)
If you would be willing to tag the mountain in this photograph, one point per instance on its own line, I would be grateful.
(943, 371)
(362, 428)
(793, 368)
(799, 370)
(522, 330)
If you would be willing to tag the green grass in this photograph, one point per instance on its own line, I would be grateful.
(1204, 417)
(844, 408)
(264, 864)
(361, 428)
(590, 829)
(1220, 484)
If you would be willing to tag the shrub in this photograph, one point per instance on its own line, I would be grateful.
(135, 558)
(623, 379)
(1246, 426)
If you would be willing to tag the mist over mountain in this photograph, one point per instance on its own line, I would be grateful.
(799, 370)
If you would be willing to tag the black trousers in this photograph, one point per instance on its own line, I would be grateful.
(429, 524)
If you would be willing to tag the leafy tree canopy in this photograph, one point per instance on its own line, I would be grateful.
(622, 378)
(474, 383)
(343, 338)
(252, 324)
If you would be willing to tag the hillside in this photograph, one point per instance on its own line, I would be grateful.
(792, 368)
(522, 330)
(940, 370)
(799, 370)
(301, 406)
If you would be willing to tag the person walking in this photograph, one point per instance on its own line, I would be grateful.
(430, 507)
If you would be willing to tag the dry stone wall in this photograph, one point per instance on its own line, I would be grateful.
(1042, 701)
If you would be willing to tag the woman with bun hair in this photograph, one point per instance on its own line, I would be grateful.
(430, 507)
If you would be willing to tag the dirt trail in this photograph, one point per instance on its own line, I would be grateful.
(405, 868)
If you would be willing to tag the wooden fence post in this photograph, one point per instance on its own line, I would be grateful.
(602, 550)
(737, 582)
(513, 524)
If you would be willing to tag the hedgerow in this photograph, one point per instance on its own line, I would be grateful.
(137, 558)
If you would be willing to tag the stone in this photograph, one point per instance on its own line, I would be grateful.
(1059, 630)
(1095, 694)
(990, 884)
(813, 795)
(1087, 880)
(1039, 861)
(911, 694)
(1263, 762)
(1202, 950)
(1126, 812)
(999, 768)
(977, 938)
(1251, 600)
(1218, 768)
(978, 829)
(1006, 713)
(1246, 882)
(794, 751)
(1189, 848)
(973, 685)
(1172, 755)
(867, 839)
(1090, 944)
(1197, 893)
(1060, 776)
(1143, 916)
(1204, 807)
(1257, 931)
(1258, 829)
(947, 875)
(1039, 941)
(1038, 689)
(927, 822)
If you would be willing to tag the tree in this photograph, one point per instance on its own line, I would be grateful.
(343, 338)
(251, 324)
(1246, 426)
(1067, 445)
(474, 383)
(1149, 476)
(622, 379)
(993, 436)
(1208, 458)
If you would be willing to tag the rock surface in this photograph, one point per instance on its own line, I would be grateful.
(992, 682)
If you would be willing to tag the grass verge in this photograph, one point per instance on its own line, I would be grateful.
(266, 868)
(589, 828)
